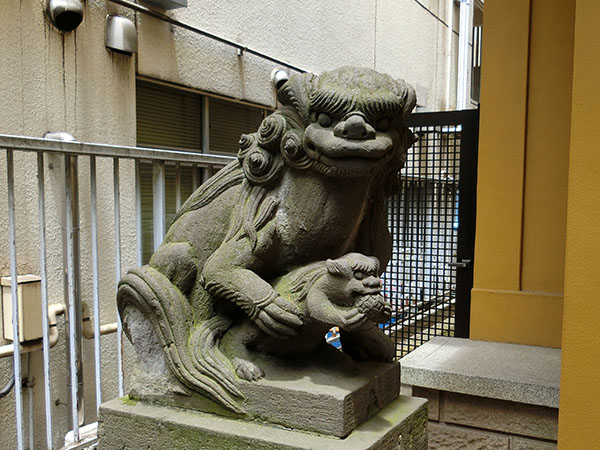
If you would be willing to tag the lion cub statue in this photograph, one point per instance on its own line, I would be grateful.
(343, 292)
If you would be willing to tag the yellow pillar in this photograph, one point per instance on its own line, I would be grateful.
(579, 413)
(522, 178)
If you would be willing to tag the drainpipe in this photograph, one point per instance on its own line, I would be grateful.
(463, 54)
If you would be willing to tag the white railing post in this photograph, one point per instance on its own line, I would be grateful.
(177, 186)
(158, 202)
(95, 283)
(117, 200)
(74, 308)
(44, 288)
(138, 213)
(12, 243)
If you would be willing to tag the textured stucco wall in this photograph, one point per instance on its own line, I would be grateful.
(400, 38)
(55, 82)
(70, 82)
(579, 386)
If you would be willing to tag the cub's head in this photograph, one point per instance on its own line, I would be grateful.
(353, 275)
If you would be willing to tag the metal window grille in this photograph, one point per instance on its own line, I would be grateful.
(420, 280)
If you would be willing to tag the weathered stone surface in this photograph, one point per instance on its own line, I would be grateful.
(341, 393)
(449, 437)
(433, 400)
(500, 415)
(285, 242)
(402, 425)
(529, 444)
(519, 373)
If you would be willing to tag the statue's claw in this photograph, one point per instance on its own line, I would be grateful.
(278, 318)
(353, 319)
(247, 370)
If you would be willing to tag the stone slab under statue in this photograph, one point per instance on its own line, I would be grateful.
(229, 317)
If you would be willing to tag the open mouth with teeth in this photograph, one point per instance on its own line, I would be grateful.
(352, 153)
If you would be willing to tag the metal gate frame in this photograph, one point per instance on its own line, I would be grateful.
(464, 124)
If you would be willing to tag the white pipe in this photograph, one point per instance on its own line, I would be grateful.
(449, 39)
(54, 310)
(463, 55)
(88, 330)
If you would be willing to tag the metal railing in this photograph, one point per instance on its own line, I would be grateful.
(432, 228)
(77, 312)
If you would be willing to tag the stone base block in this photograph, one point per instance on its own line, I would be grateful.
(124, 424)
(328, 384)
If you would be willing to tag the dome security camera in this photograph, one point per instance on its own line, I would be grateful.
(66, 15)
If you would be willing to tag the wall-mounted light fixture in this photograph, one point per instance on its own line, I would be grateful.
(121, 35)
(66, 15)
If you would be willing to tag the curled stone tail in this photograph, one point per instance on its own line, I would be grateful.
(203, 344)
(170, 314)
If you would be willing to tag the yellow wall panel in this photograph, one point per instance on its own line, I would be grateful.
(515, 316)
(502, 144)
(523, 171)
(579, 417)
(547, 149)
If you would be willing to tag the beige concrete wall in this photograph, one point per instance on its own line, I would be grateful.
(400, 38)
(70, 82)
(55, 82)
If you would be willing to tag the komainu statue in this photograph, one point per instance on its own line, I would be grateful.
(284, 242)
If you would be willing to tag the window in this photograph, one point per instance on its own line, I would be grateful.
(228, 121)
(172, 118)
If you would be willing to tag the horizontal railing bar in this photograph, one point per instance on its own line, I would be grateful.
(24, 143)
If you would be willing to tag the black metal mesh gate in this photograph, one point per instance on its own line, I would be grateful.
(431, 221)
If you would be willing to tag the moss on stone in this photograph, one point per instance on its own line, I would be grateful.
(129, 400)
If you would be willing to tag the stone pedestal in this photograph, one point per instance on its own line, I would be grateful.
(327, 385)
(327, 401)
(124, 423)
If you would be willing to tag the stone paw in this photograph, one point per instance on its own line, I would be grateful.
(247, 370)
